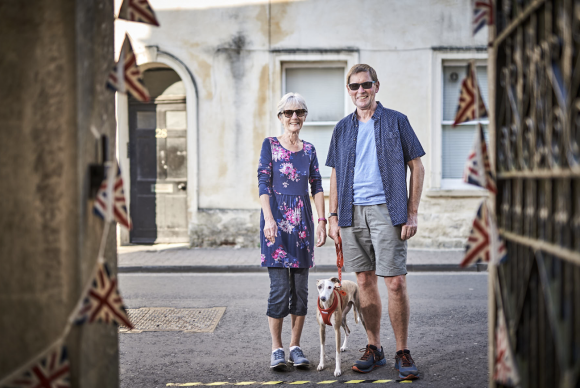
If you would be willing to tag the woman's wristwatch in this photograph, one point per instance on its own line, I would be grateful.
(322, 219)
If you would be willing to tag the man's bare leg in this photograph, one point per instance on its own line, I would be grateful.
(399, 311)
(370, 304)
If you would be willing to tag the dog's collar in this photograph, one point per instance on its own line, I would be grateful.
(326, 313)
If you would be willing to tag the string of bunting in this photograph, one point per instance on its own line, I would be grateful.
(484, 243)
(100, 300)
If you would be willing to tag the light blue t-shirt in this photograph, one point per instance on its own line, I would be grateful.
(367, 185)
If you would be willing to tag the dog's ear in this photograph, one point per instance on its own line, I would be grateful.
(335, 280)
(318, 282)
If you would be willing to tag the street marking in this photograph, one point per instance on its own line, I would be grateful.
(300, 382)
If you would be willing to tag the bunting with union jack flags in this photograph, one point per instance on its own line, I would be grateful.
(477, 169)
(504, 371)
(483, 240)
(102, 302)
(138, 11)
(466, 109)
(126, 77)
(50, 371)
(110, 203)
(482, 14)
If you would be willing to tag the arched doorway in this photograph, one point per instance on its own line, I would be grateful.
(158, 160)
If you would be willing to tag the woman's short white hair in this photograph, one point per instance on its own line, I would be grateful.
(291, 99)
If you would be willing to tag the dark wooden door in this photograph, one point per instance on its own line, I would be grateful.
(158, 155)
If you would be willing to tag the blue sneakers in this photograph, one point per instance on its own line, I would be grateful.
(371, 359)
(297, 358)
(405, 365)
(278, 360)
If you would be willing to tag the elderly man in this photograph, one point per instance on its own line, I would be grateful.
(369, 154)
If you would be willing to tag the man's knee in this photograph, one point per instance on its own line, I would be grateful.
(366, 279)
(396, 284)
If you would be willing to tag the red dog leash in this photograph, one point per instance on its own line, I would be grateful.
(339, 257)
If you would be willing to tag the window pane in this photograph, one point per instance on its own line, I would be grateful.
(452, 78)
(322, 88)
(146, 120)
(457, 144)
(320, 137)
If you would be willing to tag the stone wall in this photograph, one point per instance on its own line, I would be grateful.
(237, 228)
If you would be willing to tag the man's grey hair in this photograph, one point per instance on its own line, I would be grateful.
(291, 99)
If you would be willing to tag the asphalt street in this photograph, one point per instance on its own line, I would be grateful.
(447, 334)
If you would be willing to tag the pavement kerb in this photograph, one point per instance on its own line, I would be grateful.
(247, 268)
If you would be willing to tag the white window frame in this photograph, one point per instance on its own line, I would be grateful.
(281, 61)
(439, 187)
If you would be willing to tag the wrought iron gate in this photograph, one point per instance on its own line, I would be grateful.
(536, 103)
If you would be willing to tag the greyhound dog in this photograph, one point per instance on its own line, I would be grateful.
(334, 302)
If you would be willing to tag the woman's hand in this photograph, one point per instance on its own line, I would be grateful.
(270, 229)
(321, 233)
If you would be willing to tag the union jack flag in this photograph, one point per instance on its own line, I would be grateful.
(138, 11)
(477, 248)
(51, 371)
(103, 302)
(126, 75)
(505, 371)
(483, 239)
(466, 108)
(112, 188)
(482, 14)
(477, 169)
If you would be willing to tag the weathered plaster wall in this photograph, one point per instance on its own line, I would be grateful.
(54, 63)
(227, 45)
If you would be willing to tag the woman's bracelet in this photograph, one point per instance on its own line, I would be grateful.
(322, 219)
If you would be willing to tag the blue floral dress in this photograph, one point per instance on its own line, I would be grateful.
(284, 175)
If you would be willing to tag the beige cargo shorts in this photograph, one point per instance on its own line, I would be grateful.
(372, 243)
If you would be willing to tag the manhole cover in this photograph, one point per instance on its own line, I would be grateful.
(171, 319)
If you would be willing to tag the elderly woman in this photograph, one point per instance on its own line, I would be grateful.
(286, 166)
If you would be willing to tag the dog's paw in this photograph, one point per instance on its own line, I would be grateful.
(337, 372)
(343, 348)
(320, 367)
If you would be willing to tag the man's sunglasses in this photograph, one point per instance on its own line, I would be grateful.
(365, 85)
(290, 113)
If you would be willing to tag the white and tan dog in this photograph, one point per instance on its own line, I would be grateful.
(334, 302)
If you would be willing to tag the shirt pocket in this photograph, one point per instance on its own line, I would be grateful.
(394, 145)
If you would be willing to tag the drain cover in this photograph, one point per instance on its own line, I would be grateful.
(171, 319)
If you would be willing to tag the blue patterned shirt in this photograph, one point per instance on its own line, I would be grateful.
(396, 144)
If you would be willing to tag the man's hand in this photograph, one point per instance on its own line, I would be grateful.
(270, 229)
(410, 228)
(334, 229)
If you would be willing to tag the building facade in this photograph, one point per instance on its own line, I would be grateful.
(216, 70)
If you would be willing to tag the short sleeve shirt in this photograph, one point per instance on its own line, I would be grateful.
(396, 145)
